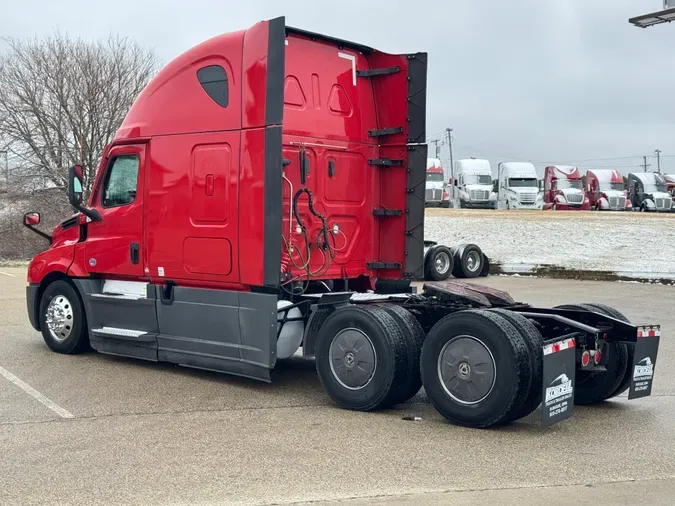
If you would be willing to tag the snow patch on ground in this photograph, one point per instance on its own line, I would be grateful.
(628, 242)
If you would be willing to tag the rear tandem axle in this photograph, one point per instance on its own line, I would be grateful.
(483, 358)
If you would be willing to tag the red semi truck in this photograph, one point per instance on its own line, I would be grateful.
(563, 189)
(606, 190)
(265, 193)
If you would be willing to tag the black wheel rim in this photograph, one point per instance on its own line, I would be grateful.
(466, 369)
(352, 359)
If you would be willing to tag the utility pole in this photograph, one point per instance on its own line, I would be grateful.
(645, 164)
(658, 160)
(438, 149)
(448, 131)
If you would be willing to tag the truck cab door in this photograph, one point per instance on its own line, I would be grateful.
(114, 244)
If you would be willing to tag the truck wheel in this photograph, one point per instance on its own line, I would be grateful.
(361, 357)
(535, 344)
(468, 261)
(610, 311)
(485, 270)
(414, 334)
(62, 319)
(475, 368)
(592, 388)
(438, 263)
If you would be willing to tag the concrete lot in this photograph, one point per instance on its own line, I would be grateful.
(144, 433)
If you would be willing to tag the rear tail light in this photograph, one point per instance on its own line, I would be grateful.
(585, 359)
(597, 357)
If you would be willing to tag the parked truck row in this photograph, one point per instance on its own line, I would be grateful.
(563, 188)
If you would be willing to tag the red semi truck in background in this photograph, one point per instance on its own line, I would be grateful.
(265, 193)
(670, 186)
(606, 190)
(435, 193)
(563, 189)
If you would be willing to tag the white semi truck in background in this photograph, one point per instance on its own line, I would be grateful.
(518, 186)
(473, 179)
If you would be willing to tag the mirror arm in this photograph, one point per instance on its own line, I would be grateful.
(92, 214)
(39, 232)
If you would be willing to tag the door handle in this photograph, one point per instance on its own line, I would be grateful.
(134, 253)
(331, 168)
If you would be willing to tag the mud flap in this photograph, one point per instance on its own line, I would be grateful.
(644, 362)
(557, 401)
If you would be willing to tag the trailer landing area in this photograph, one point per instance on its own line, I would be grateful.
(147, 433)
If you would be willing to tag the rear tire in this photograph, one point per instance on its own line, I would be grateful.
(535, 345)
(610, 311)
(492, 377)
(414, 333)
(439, 263)
(591, 388)
(62, 319)
(485, 270)
(361, 357)
(468, 262)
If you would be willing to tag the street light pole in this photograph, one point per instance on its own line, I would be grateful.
(658, 160)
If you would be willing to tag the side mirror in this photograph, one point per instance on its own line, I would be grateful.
(31, 219)
(75, 191)
(456, 182)
(75, 186)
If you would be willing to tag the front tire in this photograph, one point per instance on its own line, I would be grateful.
(62, 319)
(362, 358)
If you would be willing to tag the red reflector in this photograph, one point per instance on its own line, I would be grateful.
(572, 343)
(585, 358)
(652, 333)
(556, 347)
(597, 357)
(639, 332)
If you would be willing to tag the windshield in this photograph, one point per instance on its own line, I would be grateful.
(523, 182)
(435, 177)
(651, 188)
(563, 184)
(610, 186)
(477, 179)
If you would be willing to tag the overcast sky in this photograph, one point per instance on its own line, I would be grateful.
(548, 81)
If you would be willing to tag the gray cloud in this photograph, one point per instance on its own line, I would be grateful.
(548, 81)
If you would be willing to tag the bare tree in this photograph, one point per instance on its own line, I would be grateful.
(62, 100)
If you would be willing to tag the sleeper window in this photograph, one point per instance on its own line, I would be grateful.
(214, 81)
(121, 181)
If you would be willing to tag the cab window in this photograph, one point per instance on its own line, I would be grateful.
(121, 181)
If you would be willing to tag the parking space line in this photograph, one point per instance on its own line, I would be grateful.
(35, 394)
(8, 274)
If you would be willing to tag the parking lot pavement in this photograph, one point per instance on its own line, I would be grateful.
(144, 433)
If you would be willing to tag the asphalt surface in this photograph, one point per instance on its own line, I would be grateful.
(144, 433)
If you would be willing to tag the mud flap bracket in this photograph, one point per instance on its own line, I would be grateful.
(557, 396)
